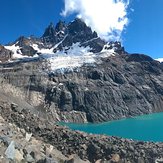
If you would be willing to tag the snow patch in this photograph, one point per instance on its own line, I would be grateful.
(70, 58)
(43, 50)
(60, 42)
(75, 57)
(17, 54)
(67, 59)
(16, 51)
(47, 50)
(159, 59)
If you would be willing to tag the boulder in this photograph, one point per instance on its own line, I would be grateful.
(10, 151)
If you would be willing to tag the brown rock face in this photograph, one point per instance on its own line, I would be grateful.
(5, 54)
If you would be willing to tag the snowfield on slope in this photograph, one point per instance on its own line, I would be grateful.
(69, 58)
(74, 57)
(16, 51)
(17, 54)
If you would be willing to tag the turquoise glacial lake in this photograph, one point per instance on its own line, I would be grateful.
(144, 128)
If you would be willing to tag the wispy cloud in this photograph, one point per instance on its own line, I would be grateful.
(107, 17)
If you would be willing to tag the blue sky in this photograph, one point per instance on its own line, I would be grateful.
(144, 34)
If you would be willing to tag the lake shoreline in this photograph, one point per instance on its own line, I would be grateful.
(88, 147)
(148, 125)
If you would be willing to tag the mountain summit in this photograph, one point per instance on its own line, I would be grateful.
(72, 45)
(74, 32)
(56, 38)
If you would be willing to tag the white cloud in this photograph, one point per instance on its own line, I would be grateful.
(107, 17)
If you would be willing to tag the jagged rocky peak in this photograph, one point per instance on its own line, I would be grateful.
(52, 34)
(74, 32)
(22, 41)
(50, 30)
(78, 31)
(61, 31)
(79, 27)
(62, 38)
(28, 41)
(60, 26)
(49, 34)
(76, 27)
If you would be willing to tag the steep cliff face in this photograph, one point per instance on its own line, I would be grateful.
(116, 88)
(25, 86)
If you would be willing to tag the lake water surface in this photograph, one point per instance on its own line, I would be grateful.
(146, 128)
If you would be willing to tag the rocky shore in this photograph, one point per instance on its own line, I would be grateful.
(68, 145)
